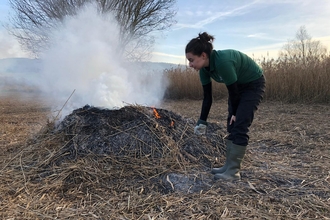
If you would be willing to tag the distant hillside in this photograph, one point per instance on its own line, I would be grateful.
(159, 65)
(22, 66)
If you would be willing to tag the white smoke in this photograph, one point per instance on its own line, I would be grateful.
(82, 58)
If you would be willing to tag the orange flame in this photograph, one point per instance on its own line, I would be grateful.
(156, 113)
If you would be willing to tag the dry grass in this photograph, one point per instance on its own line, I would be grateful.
(285, 174)
(286, 80)
(293, 81)
(184, 83)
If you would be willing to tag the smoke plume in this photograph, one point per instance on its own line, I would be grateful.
(83, 58)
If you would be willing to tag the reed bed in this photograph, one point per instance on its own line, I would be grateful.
(290, 81)
(184, 84)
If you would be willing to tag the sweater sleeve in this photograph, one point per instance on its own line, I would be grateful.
(207, 101)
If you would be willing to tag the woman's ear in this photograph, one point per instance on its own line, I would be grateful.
(204, 56)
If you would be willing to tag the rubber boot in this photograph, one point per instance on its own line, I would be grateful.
(235, 158)
(222, 169)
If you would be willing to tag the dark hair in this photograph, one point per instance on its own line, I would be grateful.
(200, 44)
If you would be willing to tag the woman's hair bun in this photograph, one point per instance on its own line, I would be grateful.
(200, 44)
(205, 37)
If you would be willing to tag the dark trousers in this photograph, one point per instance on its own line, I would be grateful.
(251, 95)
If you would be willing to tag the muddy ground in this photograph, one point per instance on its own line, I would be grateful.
(285, 174)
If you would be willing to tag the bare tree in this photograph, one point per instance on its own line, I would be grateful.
(136, 18)
(303, 48)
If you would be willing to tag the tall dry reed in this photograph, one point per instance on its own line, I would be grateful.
(291, 81)
(184, 83)
(297, 81)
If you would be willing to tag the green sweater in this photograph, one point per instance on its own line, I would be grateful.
(229, 66)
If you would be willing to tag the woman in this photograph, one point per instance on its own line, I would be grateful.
(246, 85)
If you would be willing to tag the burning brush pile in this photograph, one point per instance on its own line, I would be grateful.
(133, 147)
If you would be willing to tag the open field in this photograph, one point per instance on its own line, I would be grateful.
(285, 174)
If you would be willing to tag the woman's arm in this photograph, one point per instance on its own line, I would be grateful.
(207, 102)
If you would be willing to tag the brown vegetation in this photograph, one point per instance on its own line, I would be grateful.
(288, 80)
(184, 83)
(294, 81)
(285, 174)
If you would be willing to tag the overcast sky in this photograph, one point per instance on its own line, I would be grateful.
(254, 27)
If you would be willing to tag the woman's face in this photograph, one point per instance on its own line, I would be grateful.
(197, 62)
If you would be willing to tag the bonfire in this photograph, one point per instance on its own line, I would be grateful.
(134, 145)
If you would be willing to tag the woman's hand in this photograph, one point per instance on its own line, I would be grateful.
(232, 120)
